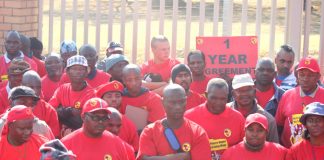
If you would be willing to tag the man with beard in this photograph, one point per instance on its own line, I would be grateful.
(54, 69)
(21, 142)
(254, 145)
(268, 94)
(13, 45)
(174, 137)
(293, 102)
(114, 66)
(120, 125)
(284, 62)
(244, 102)
(224, 125)
(181, 75)
(92, 141)
(197, 64)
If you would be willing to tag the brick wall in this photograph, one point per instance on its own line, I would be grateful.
(20, 15)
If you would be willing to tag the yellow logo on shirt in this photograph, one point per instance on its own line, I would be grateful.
(186, 147)
(227, 132)
(77, 105)
(107, 157)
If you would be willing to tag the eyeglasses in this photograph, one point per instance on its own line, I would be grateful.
(97, 118)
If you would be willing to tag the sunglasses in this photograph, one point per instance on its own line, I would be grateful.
(98, 118)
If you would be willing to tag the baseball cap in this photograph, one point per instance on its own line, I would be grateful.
(256, 118)
(95, 104)
(19, 112)
(22, 91)
(18, 66)
(114, 46)
(77, 60)
(113, 59)
(309, 63)
(110, 87)
(68, 46)
(315, 108)
(242, 80)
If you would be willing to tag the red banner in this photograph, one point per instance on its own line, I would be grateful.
(228, 56)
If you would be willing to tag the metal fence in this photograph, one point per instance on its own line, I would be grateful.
(299, 23)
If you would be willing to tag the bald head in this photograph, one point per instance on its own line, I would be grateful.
(131, 68)
(172, 89)
(12, 44)
(32, 79)
(115, 121)
(13, 33)
(87, 48)
(265, 61)
(90, 53)
(218, 83)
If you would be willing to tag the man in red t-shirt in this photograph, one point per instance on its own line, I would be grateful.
(54, 69)
(119, 124)
(181, 75)
(15, 72)
(293, 102)
(174, 137)
(136, 97)
(95, 77)
(197, 63)
(12, 45)
(20, 142)
(255, 145)
(158, 69)
(69, 98)
(224, 125)
(268, 93)
(92, 141)
(41, 109)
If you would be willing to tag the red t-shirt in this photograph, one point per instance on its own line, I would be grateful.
(65, 96)
(149, 101)
(107, 146)
(270, 151)
(264, 97)
(224, 130)
(27, 151)
(200, 86)
(163, 69)
(47, 113)
(4, 101)
(48, 87)
(4, 67)
(40, 66)
(290, 109)
(192, 138)
(100, 78)
(304, 150)
(194, 99)
(128, 133)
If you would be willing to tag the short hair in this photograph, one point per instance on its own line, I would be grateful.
(287, 48)
(217, 83)
(159, 38)
(265, 59)
(35, 43)
(196, 52)
(11, 32)
(87, 48)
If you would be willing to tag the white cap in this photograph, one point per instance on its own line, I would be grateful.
(242, 80)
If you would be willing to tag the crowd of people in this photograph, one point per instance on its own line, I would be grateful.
(69, 105)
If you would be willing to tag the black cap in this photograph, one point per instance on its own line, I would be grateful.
(22, 91)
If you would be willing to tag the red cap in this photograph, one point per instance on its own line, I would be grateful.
(257, 118)
(20, 112)
(113, 86)
(309, 63)
(95, 104)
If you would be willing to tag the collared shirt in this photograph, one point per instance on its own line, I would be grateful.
(303, 94)
(273, 103)
(288, 82)
(7, 60)
(273, 132)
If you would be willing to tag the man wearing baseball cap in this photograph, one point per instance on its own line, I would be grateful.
(111, 92)
(181, 74)
(68, 49)
(293, 102)
(112, 48)
(254, 145)
(15, 72)
(92, 141)
(245, 102)
(312, 145)
(21, 142)
(69, 98)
